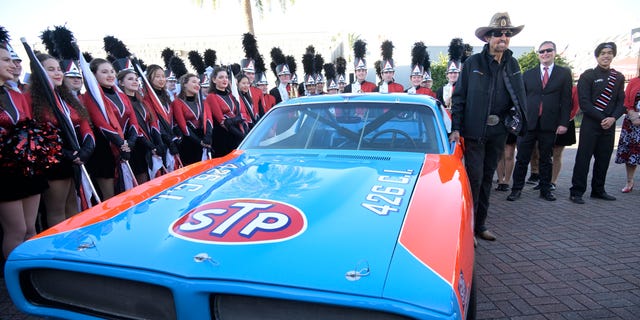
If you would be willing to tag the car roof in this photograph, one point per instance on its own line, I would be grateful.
(365, 97)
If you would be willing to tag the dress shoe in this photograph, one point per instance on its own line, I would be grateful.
(502, 187)
(514, 195)
(537, 187)
(628, 188)
(603, 196)
(576, 199)
(487, 235)
(548, 196)
(553, 187)
(533, 178)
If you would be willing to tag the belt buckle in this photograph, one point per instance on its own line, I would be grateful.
(492, 120)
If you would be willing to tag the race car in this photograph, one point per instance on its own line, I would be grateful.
(349, 206)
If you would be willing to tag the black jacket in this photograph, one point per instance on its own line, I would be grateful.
(590, 85)
(472, 95)
(555, 98)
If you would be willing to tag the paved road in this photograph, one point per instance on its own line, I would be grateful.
(552, 260)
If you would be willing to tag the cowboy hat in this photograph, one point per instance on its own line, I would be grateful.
(499, 21)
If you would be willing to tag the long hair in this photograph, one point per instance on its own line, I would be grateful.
(121, 75)
(162, 93)
(184, 79)
(40, 104)
(214, 73)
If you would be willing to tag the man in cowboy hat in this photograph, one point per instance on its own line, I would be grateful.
(489, 87)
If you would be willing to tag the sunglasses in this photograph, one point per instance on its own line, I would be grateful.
(549, 50)
(500, 33)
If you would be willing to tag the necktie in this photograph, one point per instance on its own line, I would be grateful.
(545, 79)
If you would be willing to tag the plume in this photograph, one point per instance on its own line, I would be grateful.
(307, 63)
(116, 48)
(359, 49)
(341, 65)
(250, 45)
(142, 65)
(65, 43)
(468, 51)
(378, 66)
(426, 63)
(87, 56)
(277, 57)
(210, 58)
(167, 54)
(177, 66)
(329, 71)
(260, 66)
(456, 49)
(418, 53)
(318, 62)
(235, 69)
(310, 49)
(47, 40)
(196, 62)
(4, 36)
(291, 63)
(387, 49)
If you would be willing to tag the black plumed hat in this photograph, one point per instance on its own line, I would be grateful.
(387, 56)
(359, 52)
(118, 50)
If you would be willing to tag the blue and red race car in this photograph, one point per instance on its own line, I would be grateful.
(333, 207)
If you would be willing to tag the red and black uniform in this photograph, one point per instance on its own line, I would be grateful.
(164, 113)
(249, 108)
(392, 87)
(257, 98)
(194, 122)
(149, 138)
(117, 124)
(426, 91)
(15, 185)
(82, 134)
(365, 86)
(229, 124)
(269, 102)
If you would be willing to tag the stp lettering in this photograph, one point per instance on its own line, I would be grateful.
(240, 221)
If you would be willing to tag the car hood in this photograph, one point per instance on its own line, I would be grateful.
(314, 220)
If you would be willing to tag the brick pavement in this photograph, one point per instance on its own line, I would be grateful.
(552, 260)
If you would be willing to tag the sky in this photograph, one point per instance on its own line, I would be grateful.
(576, 24)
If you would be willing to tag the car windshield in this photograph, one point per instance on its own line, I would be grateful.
(349, 126)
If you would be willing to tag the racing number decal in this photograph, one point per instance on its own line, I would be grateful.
(240, 221)
(387, 197)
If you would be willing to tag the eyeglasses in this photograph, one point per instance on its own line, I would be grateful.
(500, 33)
(548, 50)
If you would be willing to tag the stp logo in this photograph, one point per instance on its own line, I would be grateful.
(240, 221)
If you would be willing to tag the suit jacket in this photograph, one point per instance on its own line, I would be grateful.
(555, 98)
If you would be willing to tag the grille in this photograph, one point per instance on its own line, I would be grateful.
(235, 307)
(105, 297)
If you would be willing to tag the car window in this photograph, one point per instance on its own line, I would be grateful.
(349, 126)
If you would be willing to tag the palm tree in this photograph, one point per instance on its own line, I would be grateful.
(247, 9)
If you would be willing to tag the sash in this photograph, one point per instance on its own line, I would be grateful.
(605, 96)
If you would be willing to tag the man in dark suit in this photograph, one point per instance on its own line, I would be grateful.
(548, 88)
